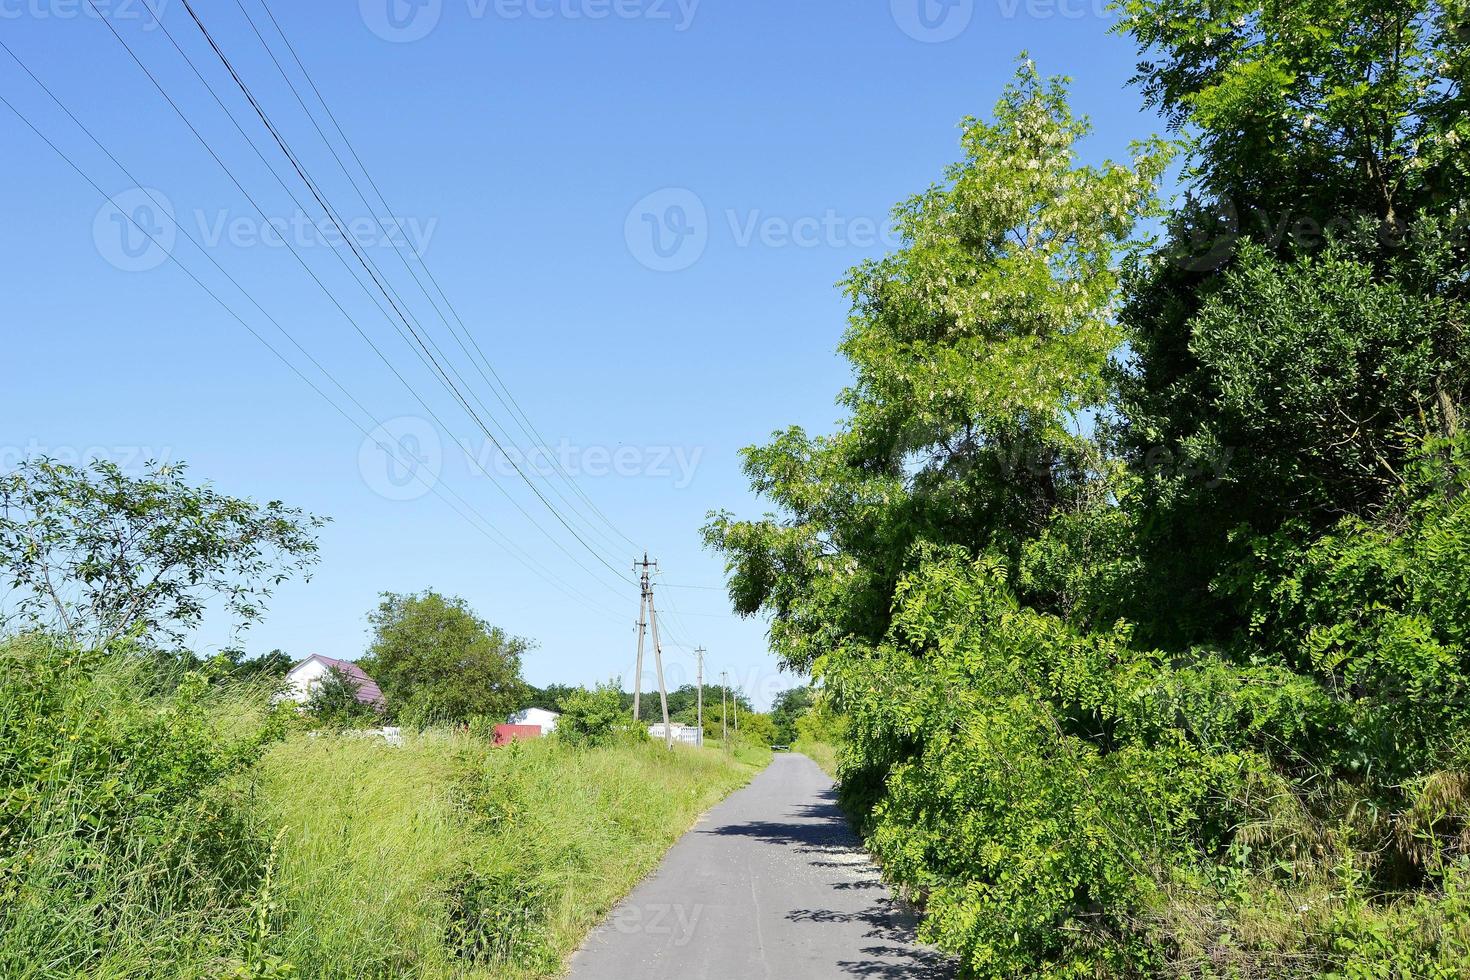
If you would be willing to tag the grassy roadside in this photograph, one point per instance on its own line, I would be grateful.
(446, 858)
(821, 753)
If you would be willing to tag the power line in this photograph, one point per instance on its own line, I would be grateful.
(507, 400)
(374, 272)
(259, 210)
(486, 530)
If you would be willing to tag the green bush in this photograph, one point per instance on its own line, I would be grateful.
(595, 717)
(121, 850)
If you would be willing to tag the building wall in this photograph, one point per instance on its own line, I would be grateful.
(540, 717)
(304, 680)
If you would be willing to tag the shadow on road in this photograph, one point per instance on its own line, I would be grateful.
(822, 831)
(893, 925)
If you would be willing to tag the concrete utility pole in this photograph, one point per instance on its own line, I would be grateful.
(724, 728)
(642, 629)
(699, 686)
(649, 615)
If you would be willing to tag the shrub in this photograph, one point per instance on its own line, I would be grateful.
(120, 848)
(595, 717)
(334, 702)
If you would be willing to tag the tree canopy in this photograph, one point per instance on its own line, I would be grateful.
(436, 661)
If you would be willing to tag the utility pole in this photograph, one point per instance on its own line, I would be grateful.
(724, 728)
(646, 587)
(699, 686)
(647, 612)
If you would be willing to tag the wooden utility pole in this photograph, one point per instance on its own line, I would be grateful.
(699, 687)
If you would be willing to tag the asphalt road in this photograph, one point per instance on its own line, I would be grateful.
(770, 885)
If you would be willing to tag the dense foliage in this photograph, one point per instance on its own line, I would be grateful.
(1137, 574)
(595, 717)
(122, 852)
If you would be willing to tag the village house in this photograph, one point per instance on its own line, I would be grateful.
(304, 678)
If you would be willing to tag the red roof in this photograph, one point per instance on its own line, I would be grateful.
(368, 691)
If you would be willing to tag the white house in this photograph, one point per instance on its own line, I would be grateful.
(303, 680)
(540, 717)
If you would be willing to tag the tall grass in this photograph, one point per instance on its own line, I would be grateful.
(447, 858)
(121, 854)
(154, 824)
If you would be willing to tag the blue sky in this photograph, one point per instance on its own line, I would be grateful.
(639, 208)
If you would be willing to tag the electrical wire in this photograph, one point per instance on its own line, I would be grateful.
(376, 274)
(326, 290)
(432, 486)
(506, 399)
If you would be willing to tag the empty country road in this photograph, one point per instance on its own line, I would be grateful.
(769, 885)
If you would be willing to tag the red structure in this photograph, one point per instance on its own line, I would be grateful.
(505, 734)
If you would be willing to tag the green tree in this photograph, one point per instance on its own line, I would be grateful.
(334, 702)
(758, 728)
(437, 662)
(789, 707)
(1303, 331)
(979, 347)
(97, 555)
(1314, 112)
(595, 717)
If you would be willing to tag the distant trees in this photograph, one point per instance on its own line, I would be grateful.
(436, 661)
(788, 708)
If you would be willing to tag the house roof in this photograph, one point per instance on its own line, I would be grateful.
(368, 691)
